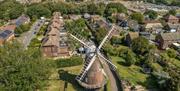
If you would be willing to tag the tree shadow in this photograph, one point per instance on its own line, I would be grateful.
(150, 83)
(69, 78)
(123, 63)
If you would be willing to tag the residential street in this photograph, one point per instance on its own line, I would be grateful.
(26, 37)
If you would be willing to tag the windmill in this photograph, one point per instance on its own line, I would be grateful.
(91, 75)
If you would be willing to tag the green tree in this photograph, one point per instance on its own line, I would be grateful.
(115, 40)
(38, 10)
(174, 82)
(115, 7)
(171, 53)
(22, 70)
(23, 28)
(138, 17)
(172, 12)
(130, 58)
(140, 45)
(10, 9)
(151, 14)
(99, 34)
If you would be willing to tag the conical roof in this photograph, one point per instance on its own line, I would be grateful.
(94, 78)
(94, 74)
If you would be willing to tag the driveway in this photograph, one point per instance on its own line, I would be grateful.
(26, 37)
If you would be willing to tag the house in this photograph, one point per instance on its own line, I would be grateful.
(173, 27)
(23, 19)
(64, 50)
(53, 32)
(130, 36)
(8, 27)
(171, 19)
(152, 26)
(55, 43)
(50, 46)
(133, 25)
(164, 40)
(6, 36)
(147, 35)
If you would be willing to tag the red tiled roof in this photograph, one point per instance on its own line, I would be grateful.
(8, 27)
(171, 17)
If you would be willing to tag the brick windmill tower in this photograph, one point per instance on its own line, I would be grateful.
(92, 75)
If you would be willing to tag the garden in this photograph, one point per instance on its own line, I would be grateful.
(64, 73)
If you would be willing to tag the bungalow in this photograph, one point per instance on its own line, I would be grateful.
(130, 36)
(6, 36)
(171, 19)
(153, 26)
(173, 27)
(164, 40)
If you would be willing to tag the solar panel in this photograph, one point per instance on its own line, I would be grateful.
(3, 35)
(7, 32)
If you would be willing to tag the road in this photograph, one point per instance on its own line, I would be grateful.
(26, 37)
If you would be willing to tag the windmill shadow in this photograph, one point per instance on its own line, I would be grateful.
(69, 78)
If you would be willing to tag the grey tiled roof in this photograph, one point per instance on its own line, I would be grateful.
(171, 36)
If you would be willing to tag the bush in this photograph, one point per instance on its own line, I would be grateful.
(73, 61)
(10, 9)
(140, 45)
(115, 8)
(171, 53)
(151, 14)
(23, 28)
(22, 70)
(138, 17)
(38, 11)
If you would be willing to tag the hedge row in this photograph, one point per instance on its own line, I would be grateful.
(73, 61)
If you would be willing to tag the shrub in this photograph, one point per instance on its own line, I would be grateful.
(171, 53)
(73, 61)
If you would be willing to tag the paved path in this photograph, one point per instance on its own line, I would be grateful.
(26, 37)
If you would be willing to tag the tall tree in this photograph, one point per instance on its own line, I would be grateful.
(140, 45)
(21, 70)
(151, 14)
(38, 10)
(138, 17)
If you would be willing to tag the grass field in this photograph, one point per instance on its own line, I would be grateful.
(133, 74)
(63, 79)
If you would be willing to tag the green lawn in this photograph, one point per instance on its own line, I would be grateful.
(64, 78)
(133, 73)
